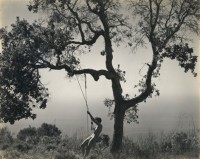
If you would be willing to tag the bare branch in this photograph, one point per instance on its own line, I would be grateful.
(88, 42)
(170, 14)
(94, 73)
(79, 21)
(151, 13)
(148, 90)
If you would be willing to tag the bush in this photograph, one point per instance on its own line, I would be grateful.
(48, 130)
(5, 146)
(173, 145)
(166, 147)
(181, 142)
(5, 136)
(23, 147)
(28, 134)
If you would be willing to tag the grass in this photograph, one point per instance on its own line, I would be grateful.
(174, 145)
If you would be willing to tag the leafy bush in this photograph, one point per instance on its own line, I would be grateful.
(181, 142)
(4, 146)
(48, 130)
(5, 136)
(28, 134)
(23, 147)
(176, 145)
(166, 146)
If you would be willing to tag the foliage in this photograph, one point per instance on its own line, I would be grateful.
(166, 21)
(21, 89)
(23, 147)
(183, 54)
(167, 26)
(48, 130)
(30, 47)
(46, 134)
(28, 134)
(170, 145)
(183, 144)
(71, 28)
(5, 136)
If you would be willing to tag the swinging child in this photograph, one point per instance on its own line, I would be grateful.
(90, 141)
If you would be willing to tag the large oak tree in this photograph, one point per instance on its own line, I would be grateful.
(71, 28)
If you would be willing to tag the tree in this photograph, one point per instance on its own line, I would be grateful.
(34, 135)
(5, 136)
(48, 130)
(71, 29)
(28, 134)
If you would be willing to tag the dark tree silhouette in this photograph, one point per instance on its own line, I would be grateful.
(71, 28)
(28, 134)
(5, 136)
(48, 130)
(34, 135)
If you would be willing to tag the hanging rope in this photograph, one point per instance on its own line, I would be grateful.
(84, 97)
(86, 90)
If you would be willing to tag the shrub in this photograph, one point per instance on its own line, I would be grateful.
(166, 146)
(28, 134)
(181, 142)
(5, 146)
(5, 136)
(23, 147)
(48, 130)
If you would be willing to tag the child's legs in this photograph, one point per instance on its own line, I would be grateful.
(84, 144)
(91, 143)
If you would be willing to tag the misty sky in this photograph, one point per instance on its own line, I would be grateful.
(176, 107)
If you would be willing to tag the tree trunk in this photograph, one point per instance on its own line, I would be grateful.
(118, 131)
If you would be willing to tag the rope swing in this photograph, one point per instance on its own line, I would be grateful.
(84, 96)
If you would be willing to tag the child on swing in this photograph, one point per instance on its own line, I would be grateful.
(90, 141)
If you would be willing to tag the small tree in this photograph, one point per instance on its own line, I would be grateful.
(71, 29)
(48, 130)
(28, 134)
(5, 136)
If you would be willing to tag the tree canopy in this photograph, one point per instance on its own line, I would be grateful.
(71, 28)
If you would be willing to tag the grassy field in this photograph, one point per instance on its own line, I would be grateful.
(174, 145)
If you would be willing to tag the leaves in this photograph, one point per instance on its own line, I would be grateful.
(21, 89)
(162, 22)
(121, 74)
(71, 28)
(184, 55)
(131, 115)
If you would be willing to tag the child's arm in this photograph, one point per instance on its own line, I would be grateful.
(92, 118)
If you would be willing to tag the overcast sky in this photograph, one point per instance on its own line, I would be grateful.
(178, 102)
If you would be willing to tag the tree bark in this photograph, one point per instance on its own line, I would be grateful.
(118, 130)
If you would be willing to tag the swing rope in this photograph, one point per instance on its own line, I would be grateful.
(84, 97)
(86, 91)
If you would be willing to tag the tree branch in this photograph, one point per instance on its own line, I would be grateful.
(170, 14)
(90, 8)
(87, 42)
(148, 89)
(83, 41)
(79, 21)
(151, 13)
(153, 23)
(94, 73)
